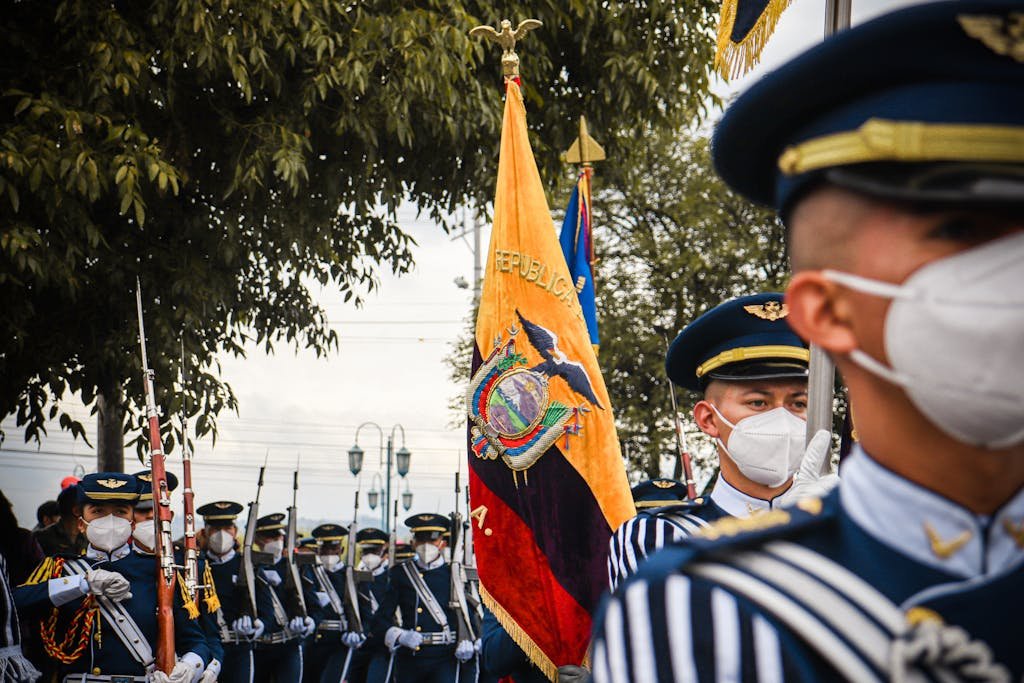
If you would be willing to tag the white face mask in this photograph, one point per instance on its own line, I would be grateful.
(275, 548)
(954, 335)
(370, 561)
(766, 447)
(330, 561)
(427, 552)
(108, 533)
(145, 534)
(221, 542)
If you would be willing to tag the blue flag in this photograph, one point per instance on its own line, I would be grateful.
(575, 240)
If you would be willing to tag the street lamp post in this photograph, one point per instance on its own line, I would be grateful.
(400, 459)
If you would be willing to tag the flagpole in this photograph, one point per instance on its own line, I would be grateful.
(821, 371)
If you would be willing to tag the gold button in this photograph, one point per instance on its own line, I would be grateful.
(419, 628)
(96, 671)
(419, 610)
(417, 649)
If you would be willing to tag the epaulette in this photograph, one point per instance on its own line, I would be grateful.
(731, 533)
(42, 572)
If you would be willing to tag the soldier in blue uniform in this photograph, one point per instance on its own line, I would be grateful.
(371, 660)
(223, 566)
(278, 650)
(894, 152)
(144, 540)
(750, 369)
(99, 621)
(424, 646)
(328, 650)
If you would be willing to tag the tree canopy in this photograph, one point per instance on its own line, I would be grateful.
(234, 154)
(672, 242)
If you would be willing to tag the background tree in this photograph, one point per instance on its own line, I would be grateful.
(233, 154)
(673, 241)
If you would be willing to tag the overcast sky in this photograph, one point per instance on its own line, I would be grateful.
(389, 369)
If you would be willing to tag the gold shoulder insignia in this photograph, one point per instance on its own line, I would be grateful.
(663, 484)
(1002, 35)
(112, 483)
(944, 549)
(222, 506)
(734, 526)
(1016, 531)
(771, 310)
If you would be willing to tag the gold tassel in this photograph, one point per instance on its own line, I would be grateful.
(187, 602)
(735, 59)
(521, 638)
(210, 596)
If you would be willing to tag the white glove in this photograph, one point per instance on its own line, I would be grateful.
(352, 639)
(397, 636)
(211, 673)
(464, 651)
(302, 626)
(181, 673)
(478, 645)
(809, 482)
(108, 584)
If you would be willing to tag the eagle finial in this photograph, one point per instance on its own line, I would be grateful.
(507, 39)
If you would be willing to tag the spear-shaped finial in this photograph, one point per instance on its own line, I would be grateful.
(507, 39)
(585, 149)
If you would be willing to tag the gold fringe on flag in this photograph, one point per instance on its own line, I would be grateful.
(521, 638)
(210, 596)
(734, 59)
(188, 603)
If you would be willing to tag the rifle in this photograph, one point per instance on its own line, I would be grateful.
(294, 597)
(684, 456)
(191, 547)
(246, 582)
(466, 627)
(164, 551)
(469, 566)
(353, 621)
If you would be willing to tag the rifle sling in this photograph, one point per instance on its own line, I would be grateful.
(118, 618)
(425, 595)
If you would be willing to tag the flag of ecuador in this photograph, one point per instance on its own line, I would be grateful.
(547, 482)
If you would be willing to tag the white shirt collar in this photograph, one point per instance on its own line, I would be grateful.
(214, 558)
(734, 501)
(927, 527)
(94, 553)
(433, 565)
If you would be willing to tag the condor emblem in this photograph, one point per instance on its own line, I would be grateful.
(111, 483)
(509, 404)
(770, 310)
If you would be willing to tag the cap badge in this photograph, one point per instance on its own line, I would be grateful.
(770, 310)
(111, 483)
(1002, 35)
(222, 506)
(662, 484)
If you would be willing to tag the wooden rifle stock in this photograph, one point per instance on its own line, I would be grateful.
(351, 597)
(188, 498)
(163, 551)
